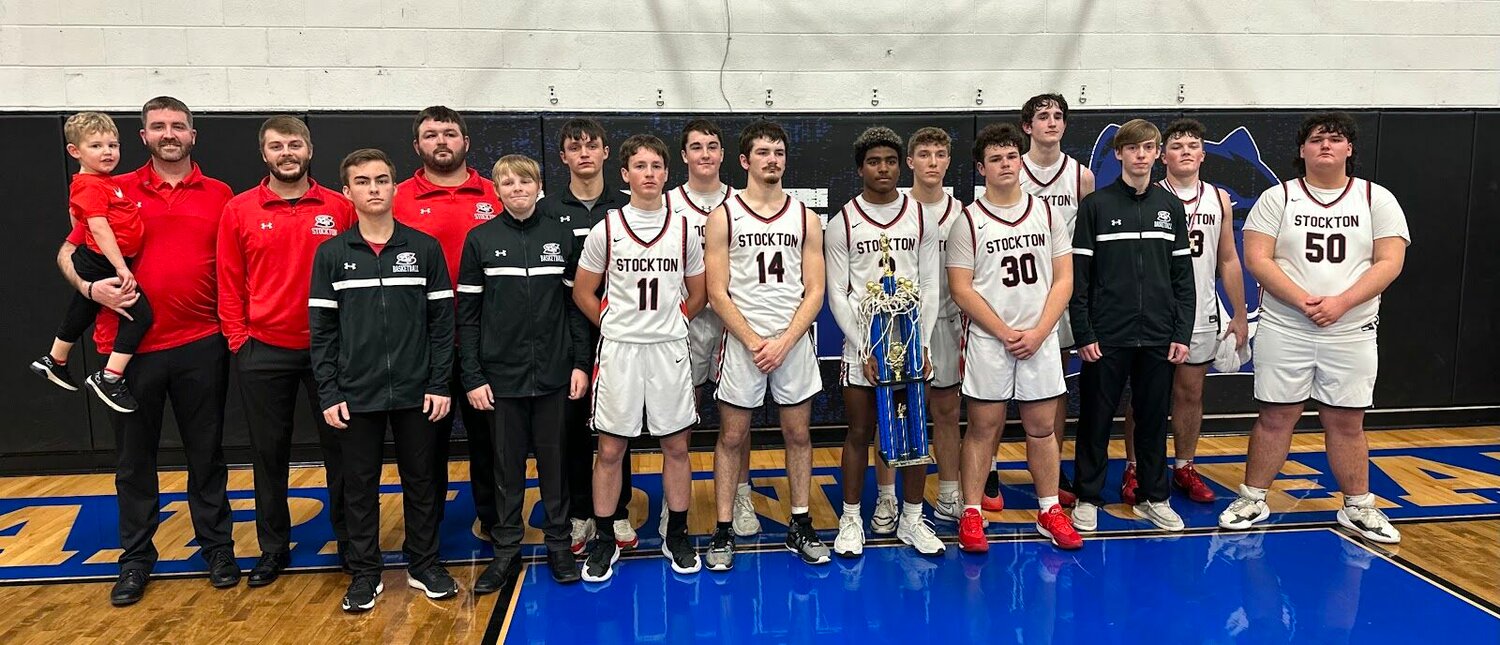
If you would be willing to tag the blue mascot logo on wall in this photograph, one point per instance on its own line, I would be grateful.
(1233, 163)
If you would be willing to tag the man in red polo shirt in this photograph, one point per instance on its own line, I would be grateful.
(444, 199)
(182, 357)
(267, 238)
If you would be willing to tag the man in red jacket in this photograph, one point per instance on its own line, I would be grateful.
(444, 199)
(267, 237)
(182, 357)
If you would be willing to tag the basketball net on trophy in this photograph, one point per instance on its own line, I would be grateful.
(890, 313)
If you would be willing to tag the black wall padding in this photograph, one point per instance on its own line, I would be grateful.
(1424, 157)
(1476, 381)
(1437, 343)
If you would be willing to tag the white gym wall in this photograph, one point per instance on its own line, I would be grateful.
(821, 55)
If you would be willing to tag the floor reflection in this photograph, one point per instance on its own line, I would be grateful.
(1310, 586)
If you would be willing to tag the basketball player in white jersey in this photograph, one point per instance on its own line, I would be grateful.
(1063, 182)
(928, 153)
(765, 278)
(1010, 266)
(1323, 247)
(703, 152)
(651, 265)
(1210, 222)
(852, 252)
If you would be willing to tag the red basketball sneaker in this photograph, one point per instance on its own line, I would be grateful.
(994, 500)
(971, 538)
(1055, 525)
(1187, 479)
(1066, 498)
(1127, 486)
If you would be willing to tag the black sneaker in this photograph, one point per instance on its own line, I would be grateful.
(48, 369)
(678, 548)
(115, 395)
(268, 568)
(563, 565)
(720, 555)
(129, 588)
(223, 571)
(362, 594)
(802, 540)
(600, 565)
(433, 581)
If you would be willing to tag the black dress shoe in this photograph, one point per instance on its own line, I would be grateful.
(129, 588)
(497, 575)
(223, 571)
(268, 568)
(564, 566)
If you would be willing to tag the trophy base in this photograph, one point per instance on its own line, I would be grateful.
(910, 460)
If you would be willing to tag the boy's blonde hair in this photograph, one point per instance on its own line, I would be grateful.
(83, 124)
(1136, 131)
(518, 165)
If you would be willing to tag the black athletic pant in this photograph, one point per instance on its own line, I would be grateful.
(363, 443)
(523, 425)
(195, 377)
(1100, 387)
(581, 444)
(481, 455)
(269, 379)
(91, 266)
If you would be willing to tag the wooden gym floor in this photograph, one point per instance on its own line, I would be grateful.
(1447, 508)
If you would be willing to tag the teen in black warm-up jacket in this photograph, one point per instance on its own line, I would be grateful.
(525, 352)
(381, 314)
(1132, 318)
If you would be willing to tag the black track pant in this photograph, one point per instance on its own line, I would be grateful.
(195, 377)
(363, 444)
(581, 443)
(523, 425)
(1100, 387)
(269, 379)
(91, 266)
(481, 455)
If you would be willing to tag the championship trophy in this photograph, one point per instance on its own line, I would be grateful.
(890, 312)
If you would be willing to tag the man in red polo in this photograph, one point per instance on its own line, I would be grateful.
(182, 357)
(444, 199)
(267, 238)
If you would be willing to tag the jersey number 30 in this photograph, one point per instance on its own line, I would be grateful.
(1019, 269)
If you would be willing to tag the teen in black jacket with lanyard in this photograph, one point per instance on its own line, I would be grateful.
(525, 352)
(1132, 317)
(381, 313)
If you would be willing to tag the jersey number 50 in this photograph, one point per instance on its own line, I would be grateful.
(1332, 248)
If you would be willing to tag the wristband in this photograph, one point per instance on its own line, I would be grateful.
(91, 291)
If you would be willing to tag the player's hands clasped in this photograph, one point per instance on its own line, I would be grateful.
(1024, 343)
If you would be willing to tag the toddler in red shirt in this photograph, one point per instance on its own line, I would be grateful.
(112, 237)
